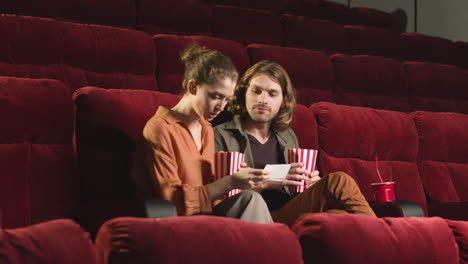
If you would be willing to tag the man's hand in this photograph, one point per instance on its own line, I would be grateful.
(314, 177)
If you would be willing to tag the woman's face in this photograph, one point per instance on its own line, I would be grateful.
(210, 99)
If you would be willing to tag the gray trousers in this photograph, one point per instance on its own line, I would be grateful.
(246, 205)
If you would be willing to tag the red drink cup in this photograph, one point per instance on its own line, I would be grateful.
(227, 163)
(384, 191)
(306, 156)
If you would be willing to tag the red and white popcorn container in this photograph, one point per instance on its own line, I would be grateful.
(227, 163)
(308, 157)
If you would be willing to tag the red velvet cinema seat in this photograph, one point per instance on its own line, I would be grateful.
(310, 33)
(357, 239)
(37, 158)
(443, 162)
(57, 241)
(376, 18)
(247, 26)
(170, 70)
(108, 124)
(181, 17)
(369, 81)
(462, 54)
(78, 55)
(195, 239)
(375, 41)
(350, 138)
(333, 11)
(437, 87)
(118, 13)
(310, 71)
(430, 49)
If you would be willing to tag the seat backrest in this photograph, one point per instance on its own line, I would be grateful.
(350, 138)
(37, 158)
(57, 241)
(108, 125)
(333, 11)
(305, 127)
(118, 13)
(369, 81)
(181, 17)
(375, 41)
(77, 54)
(437, 87)
(310, 71)
(429, 48)
(443, 155)
(247, 26)
(462, 54)
(145, 241)
(170, 70)
(310, 33)
(376, 18)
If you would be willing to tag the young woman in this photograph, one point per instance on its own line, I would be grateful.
(175, 157)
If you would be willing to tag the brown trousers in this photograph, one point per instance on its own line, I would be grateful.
(334, 193)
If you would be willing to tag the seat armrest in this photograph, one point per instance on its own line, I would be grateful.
(397, 209)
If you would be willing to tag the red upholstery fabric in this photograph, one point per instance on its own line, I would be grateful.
(170, 71)
(375, 41)
(443, 155)
(120, 13)
(369, 81)
(460, 232)
(462, 54)
(195, 239)
(335, 12)
(181, 17)
(310, 33)
(437, 87)
(454, 211)
(428, 48)
(305, 127)
(247, 26)
(58, 241)
(376, 18)
(76, 54)
(310, 71)
(351, 137)
(37, 159)
(350, 239)
(108, 123)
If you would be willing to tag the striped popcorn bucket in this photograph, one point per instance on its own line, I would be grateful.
(306, 156)
(227, 163)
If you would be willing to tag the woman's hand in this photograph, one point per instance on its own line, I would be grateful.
(247, 178)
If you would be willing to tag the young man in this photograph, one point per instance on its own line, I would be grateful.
(263, 105)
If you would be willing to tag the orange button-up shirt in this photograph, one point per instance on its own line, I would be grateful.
(168, 164)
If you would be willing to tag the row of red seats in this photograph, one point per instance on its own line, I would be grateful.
(315, 238)
(188, 16)
(424, 153)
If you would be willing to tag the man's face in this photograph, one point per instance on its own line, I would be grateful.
(263, 98)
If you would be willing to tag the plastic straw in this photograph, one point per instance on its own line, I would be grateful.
(377, 168)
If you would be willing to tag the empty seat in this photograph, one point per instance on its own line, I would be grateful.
(181, 17)
(247, 26)
(369, 81)
(109, 122)
(212, 240)
(119, 13)
(310, 33)
(350, 138)
(37, 158)
(57, 241)
(430, 49)
(376, 18)
(335, 12)
(462, 54)
(310, 71)
(375, 41)
(76, 54)
(437, 87)
(443, 162)
(170, 70)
